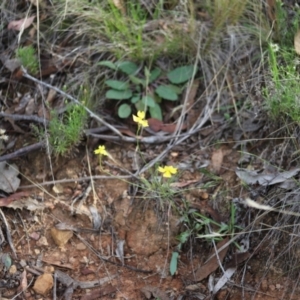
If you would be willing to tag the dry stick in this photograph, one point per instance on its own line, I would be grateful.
(155, 139)
(8, 236)
(24, 117)
(22, 151)
(80, 179)
(93, 115)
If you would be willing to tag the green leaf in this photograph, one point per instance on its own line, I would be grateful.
(108, 64)
(137, 80)
(124, 111)
(155, 112)
(127, 67)
(148, 101)
(183, 237)
(173, 263)
(181, 74)
(166, 92)
(118, 95)
(140, 106)
(135, 99)
(154, 74)
(5, 260)
(175, 88)
(117, 84)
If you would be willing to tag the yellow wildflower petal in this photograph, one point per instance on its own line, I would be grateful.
(172, 170)
(101, 151)
(161, 169)
(144, 123)
(141, 114)
(167, 174)
(135, 118)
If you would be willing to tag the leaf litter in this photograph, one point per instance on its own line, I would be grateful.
(120, 230)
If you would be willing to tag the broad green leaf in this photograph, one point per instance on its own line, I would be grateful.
(137, 80)
(135, 99)
(5, 260)
(107, 63)
(154, 74)
(149, 101)
(124, 111)
(181, 74)
(183, 237)
(140, 106)
(155, 112)
(175, 88)
(173, 263)
(166, 92)
(118, 95)
(127, 67)
(117, 84)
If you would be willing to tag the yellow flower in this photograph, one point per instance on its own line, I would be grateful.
(167, 171)
(101, 151)
(140, 119)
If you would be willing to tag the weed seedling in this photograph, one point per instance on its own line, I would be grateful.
(201, 226)
(147, 91)
(28, 58)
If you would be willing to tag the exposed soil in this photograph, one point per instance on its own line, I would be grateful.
(147, 234)
(75, 228)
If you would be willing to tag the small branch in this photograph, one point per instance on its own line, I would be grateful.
(146, 140)
(80, 179)
(22, 151)
(93, 115)
(25, 118)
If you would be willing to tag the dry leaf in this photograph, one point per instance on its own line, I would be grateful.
(20, 24)
(157, 125)
(9, 180)
(120, 4)
(12, 64)
(217, 160)
(297, 42)
(212, 264)
(265, 179)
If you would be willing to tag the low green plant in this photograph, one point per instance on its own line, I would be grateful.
(145, 92)
(283, 92)
(28, 59)
(66, 131)
(200, 226)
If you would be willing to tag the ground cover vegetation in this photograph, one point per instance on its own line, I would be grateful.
(169, 129)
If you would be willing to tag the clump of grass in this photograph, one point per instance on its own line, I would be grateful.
(283, 93)
(28, 58)
(128, 30)
(66, 132)
(282, 90)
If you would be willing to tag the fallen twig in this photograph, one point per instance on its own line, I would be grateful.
(93, 115)
(24, 118)
(8, 236)
(22, 151)
(80, 179)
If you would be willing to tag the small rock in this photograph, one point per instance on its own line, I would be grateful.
(23, 263)
(37, 251)
(61, 237)
(43, 284)
(272, 287)
(42, 242)
(264, 285)
(12, 270)
(49, 269)
(35, 236)
(81, 246)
